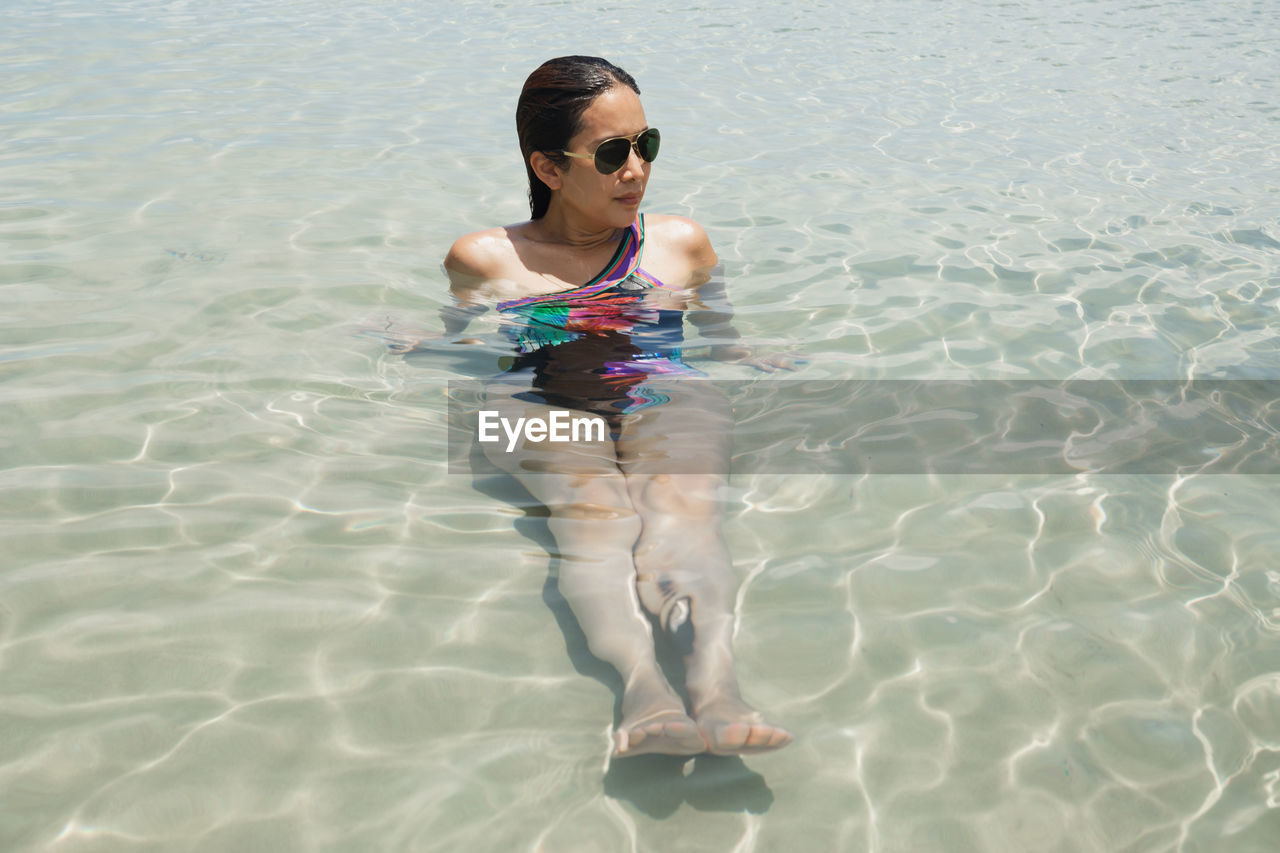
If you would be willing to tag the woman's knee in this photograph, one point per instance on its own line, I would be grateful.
(681, 496)
(588, 510)
(593, 498)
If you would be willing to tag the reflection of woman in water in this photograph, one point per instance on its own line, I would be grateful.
(595, 295)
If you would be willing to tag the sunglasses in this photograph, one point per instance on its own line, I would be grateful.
(611, 155)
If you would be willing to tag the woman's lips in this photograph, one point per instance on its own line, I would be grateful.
(629, 199)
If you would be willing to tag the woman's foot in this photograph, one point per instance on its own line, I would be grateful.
(732, 727)
(669, 732)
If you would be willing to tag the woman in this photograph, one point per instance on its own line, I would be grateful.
(633, 536)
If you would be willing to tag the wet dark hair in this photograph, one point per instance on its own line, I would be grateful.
(550, 110)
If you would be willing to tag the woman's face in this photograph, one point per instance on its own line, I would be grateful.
(610, 199)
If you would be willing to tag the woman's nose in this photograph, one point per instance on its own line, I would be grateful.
(634, 167)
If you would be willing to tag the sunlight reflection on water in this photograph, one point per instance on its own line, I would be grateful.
(245, 607)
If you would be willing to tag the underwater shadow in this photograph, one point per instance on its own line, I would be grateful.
(658, 784)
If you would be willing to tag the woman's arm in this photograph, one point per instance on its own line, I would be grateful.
(455, 319)
(712, 312)
(466, 290)
(467, 266)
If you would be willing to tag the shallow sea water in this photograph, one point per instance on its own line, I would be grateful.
(243, 606)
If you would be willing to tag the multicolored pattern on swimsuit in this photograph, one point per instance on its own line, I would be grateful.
(606, 332)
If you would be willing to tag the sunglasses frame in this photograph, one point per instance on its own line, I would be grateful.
(633, 143)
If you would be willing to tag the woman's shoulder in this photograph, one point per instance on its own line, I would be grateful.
(481, 254)
(675, 229)
(681, 234)
(486, 265)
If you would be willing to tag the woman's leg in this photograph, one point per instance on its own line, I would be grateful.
(595, 527)
(684, 572)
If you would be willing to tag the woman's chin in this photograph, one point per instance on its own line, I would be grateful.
(621, 210)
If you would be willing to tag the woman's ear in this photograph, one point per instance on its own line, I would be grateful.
(546, 170)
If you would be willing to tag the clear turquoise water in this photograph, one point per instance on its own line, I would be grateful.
(243, 607)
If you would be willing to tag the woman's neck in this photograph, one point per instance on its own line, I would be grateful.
(559, 225)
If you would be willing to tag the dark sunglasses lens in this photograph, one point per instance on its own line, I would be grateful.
(611, 155)
(648, 144)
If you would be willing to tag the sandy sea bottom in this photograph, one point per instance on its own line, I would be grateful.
(244, 606)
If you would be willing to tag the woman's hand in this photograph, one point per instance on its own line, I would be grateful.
(403, 343)
(742, 354)
(774, 363)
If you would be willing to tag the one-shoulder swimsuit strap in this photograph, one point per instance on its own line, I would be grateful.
(625, 264)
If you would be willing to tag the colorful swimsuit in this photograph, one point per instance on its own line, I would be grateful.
(593, 347)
